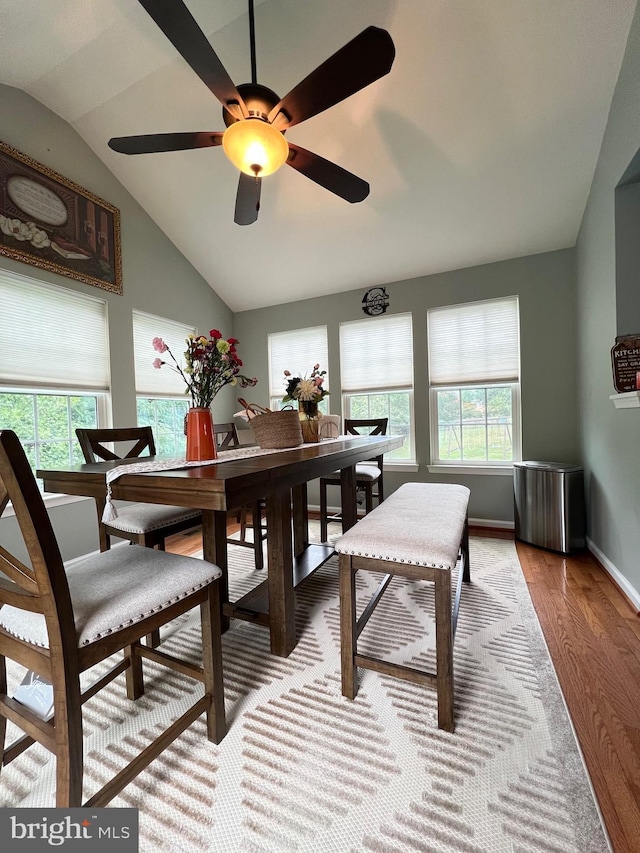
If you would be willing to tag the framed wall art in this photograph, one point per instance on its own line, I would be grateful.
(52, 223)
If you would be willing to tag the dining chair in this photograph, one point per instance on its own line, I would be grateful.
(59, 622)
(144, 524)
(226, 435)
(369, 474)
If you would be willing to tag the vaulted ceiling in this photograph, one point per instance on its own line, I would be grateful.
(479, 145)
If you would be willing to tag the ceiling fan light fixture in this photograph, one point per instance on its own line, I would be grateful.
(256, 117)
(255, 147)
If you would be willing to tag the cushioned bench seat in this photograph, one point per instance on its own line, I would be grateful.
(419, 532)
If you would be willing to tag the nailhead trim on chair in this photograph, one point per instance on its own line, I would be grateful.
(93, 591)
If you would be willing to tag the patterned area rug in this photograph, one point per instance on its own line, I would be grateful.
(304, 769)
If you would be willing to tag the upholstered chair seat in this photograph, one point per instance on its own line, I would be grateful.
(115, 590)
(368, 471)
(146, 518)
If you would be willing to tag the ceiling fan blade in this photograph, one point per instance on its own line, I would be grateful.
(247, 199)
(180, 27)
(364, 59)
(329, 175)
(155, 142)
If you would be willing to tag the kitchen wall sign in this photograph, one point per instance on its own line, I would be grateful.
(625, 361)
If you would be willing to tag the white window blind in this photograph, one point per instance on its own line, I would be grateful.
(377, 354)
(150, 381)
(475, 342)
(51, 337)
(296, 350)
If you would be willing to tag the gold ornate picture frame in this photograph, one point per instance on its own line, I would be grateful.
(54, 224)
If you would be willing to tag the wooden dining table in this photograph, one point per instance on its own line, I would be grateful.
(280, 478)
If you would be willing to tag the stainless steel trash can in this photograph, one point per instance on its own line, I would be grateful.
(549, 505)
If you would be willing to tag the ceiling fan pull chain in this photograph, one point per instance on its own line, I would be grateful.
(252, 43)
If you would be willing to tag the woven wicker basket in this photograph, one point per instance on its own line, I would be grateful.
(277, 430)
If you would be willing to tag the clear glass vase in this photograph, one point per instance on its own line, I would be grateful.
(309, 421)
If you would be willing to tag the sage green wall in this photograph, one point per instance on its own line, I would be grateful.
(546, 289)
(610, 437)
(156, 278)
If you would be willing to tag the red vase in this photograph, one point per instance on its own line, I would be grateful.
(201, 442)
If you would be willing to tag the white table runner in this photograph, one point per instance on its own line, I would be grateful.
(110, 513)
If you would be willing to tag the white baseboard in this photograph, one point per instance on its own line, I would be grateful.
(631, 592)
(332, 510)
(491, 522)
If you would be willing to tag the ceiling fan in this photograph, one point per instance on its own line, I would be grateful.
(255, 117)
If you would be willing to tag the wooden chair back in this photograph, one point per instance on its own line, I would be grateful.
(366, 426)
(41, 587)
(356, 426)
(226, 436)
(136, 442)
(93, 441)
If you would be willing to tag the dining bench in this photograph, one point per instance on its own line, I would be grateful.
(420, 532)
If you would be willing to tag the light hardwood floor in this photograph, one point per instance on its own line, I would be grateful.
(593, 635)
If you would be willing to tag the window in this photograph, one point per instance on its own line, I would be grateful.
(474, 377)
(160, 394)
(376, 366)
(54, 367)
(297, 350)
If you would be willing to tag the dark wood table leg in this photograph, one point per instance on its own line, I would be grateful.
(282, 624)
(214, 550)
(300, 519)
(348, 497)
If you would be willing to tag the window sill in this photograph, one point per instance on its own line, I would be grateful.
(402, 467)
(492, 471)
(49, 501)
(630, 400)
